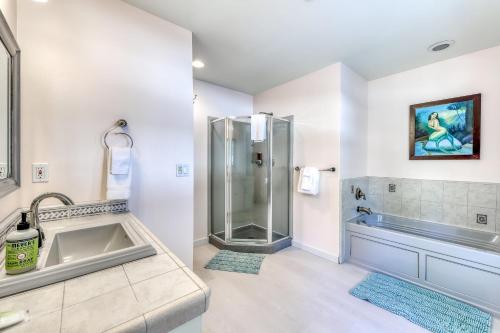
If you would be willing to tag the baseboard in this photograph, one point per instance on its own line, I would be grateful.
(316, 251)
(200, 241)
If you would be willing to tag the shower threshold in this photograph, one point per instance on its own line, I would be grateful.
(251, 238)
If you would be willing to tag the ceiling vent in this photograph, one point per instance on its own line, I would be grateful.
(440, 46)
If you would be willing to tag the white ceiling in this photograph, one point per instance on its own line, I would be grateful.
(253, 45)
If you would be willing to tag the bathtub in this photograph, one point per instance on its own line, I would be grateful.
(461, 236)
(459, 262)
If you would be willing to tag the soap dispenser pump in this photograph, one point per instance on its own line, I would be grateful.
(21, 248)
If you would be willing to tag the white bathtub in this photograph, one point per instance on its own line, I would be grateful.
(460, 262)
(467, 237)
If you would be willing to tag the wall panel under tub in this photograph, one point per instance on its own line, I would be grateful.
(483, 282)
(390, 258)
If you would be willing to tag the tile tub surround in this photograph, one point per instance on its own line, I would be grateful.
(450, 202)
(154, 294)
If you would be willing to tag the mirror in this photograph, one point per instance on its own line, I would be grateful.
(9, 110)
(4, 113)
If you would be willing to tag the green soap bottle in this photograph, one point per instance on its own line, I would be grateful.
(21, 248)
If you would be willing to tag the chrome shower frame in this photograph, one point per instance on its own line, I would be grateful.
(249, 245)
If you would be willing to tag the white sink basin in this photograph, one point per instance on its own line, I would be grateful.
(89, 242)
(74, 250)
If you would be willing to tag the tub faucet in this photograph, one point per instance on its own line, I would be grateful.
(359, 194)
(365, 210)
(35, 221)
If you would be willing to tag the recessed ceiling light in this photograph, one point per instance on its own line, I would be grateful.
(440, 46)
(41, 1)
(198, 64)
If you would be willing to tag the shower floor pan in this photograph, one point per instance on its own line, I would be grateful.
(251, 239)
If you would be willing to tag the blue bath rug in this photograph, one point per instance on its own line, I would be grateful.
(236, 262)
(431, 310)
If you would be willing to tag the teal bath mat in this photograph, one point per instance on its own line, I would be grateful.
(236, 262)
(431, 310)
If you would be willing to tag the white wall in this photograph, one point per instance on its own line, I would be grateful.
(314, 100)
(353, 124)
(215, 101)
(87, 63)
(389, 99)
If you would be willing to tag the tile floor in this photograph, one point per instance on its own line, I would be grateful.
(294, 292)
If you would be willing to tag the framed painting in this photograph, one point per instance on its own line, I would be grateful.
(449, 129)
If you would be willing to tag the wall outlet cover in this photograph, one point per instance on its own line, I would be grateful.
(481, 218)
(40, 172)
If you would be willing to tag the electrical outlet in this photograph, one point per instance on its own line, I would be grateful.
(40, 172)
(482, 218)
(3, 171)
(392, 187)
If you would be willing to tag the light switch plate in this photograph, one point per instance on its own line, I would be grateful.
(182, 170)
(3, 170)
(40, 172)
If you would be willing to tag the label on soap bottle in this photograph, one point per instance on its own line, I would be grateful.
(21, 255)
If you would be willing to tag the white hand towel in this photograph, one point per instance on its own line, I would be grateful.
(120, 160)
(309, 181)
(118, 185)
(258, 127)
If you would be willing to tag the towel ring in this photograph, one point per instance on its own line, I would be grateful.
(120, 123)
(120, 133)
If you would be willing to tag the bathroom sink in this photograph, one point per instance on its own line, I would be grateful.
(75, 250)
(84, 243)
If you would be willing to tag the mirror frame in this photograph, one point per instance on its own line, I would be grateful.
(7, 38)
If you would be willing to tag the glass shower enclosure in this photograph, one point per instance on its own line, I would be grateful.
(250, 185)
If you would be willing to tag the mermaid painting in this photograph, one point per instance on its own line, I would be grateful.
(447, 129)
(440, 139)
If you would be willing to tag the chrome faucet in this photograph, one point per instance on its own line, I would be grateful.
(35, 221)
(364, 210)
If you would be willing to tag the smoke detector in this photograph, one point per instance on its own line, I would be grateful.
(440, 46)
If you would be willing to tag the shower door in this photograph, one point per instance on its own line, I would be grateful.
(281, 178)
(217, 178)
(248, 180)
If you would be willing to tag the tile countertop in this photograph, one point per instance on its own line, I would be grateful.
(154, 294)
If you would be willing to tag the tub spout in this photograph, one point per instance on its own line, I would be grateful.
(365, 210)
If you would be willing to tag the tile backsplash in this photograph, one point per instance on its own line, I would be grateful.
(465, 204)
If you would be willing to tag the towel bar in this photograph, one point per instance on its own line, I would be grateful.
(332, 169)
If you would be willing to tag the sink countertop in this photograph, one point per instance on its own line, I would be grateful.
(153, 294)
